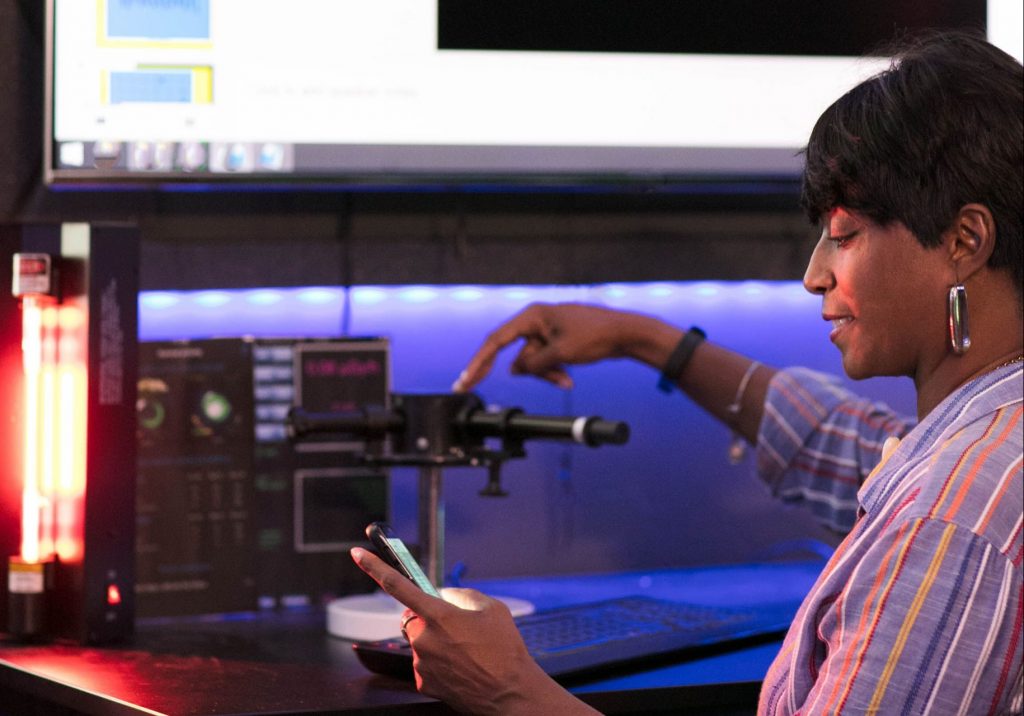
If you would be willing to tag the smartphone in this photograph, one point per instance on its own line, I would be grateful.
(393, 551)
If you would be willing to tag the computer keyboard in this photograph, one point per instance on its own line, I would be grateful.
(572, 640)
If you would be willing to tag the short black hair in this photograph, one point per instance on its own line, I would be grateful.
(940, 128)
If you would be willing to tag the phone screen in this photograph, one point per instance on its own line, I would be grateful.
(395, 551)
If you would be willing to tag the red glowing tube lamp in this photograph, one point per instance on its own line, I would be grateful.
(74, 293)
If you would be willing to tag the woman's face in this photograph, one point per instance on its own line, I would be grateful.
(884, 293)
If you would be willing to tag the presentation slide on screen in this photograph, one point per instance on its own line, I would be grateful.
(430, 72)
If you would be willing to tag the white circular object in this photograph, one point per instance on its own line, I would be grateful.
(372, 617)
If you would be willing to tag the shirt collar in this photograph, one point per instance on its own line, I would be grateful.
(975, 399)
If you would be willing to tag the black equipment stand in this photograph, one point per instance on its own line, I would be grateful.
(439, 430)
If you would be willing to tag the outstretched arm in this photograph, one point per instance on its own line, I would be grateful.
(557, 335)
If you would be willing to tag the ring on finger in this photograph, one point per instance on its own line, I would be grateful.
(405, 623)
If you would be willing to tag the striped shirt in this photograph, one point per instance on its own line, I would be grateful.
(919, 610)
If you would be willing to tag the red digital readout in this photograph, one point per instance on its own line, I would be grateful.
(32, 266)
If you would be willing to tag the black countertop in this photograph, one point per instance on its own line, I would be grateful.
(286, 663)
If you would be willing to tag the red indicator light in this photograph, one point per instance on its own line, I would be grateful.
(113, 594)
(32, 266)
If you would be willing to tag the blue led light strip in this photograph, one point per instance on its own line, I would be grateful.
(317, 310)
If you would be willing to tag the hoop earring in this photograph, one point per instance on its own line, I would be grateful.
(959, 333)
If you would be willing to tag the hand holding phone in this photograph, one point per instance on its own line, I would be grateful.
(393, 551)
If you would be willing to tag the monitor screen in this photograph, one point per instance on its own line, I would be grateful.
(452, 92)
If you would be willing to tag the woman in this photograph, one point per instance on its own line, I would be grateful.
(915, 178)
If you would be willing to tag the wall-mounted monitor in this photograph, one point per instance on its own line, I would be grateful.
(453, 92)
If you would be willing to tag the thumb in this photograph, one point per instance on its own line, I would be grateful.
(537, 358)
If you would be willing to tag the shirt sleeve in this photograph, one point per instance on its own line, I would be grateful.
(896, 640)
(818, 442)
